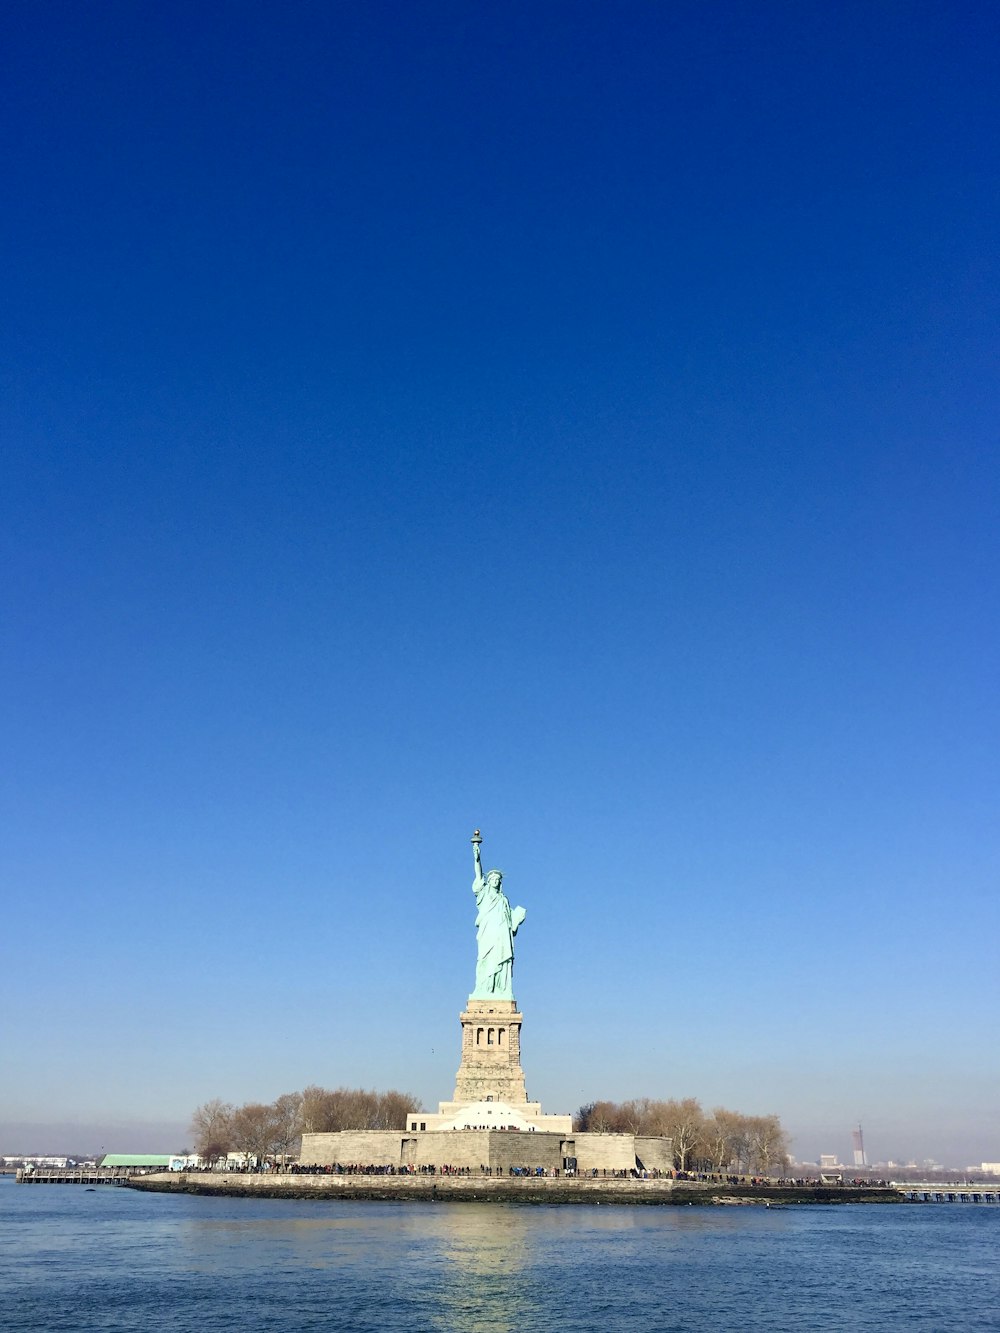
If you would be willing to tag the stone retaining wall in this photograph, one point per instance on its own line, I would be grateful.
(475, 1149)
(505, 1188)
(493, 1189)
(471, 1148)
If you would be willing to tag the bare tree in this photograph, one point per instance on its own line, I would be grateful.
(684, 1122)
(360, 1108)
(768, 1142)
(634, 1116)
(288, 1123)
(317, 1112)
(603, 1118)
(583, 1117)
(739, 1142)
(256, 1131)
(212, 1128)
(724, 1139)
(324, 1111)
(394, 1108)
(657, 1119)
(723, 1136)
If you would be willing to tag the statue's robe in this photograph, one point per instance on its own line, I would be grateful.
(496, 926)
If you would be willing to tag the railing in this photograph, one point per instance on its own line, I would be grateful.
(45, 1175)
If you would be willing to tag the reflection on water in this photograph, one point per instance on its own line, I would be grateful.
(464, 1263)
(471, 1268)
(485, 1254)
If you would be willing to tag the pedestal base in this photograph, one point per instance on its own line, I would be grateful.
(491, 1054)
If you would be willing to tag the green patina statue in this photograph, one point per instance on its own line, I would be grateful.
(496, 926)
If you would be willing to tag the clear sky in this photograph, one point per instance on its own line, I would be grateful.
(573, 420)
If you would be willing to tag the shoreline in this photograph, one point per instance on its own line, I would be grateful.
(498, 1189)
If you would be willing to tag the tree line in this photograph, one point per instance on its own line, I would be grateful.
(721, 1141)
(274, 1129)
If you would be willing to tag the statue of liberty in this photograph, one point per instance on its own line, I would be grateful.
(496, 926)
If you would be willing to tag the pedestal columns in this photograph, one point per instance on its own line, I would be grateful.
(491, 1054)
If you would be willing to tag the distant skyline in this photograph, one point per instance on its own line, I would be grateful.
(574, 422)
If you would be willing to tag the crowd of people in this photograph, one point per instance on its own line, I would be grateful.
(593, 1173)
(371, 1169)
(357, 1169)
(781, 1182)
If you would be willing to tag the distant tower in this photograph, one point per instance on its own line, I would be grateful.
(859, 1147)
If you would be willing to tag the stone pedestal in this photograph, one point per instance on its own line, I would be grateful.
(491, 1054)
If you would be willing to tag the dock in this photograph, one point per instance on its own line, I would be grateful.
(46, 1175)
(972, 1192)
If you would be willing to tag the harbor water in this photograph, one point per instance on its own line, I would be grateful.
(114, 1259)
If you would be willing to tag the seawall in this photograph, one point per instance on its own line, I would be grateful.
(493, 1189)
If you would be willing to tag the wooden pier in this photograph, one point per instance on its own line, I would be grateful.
(46, 1175)
(976, 1192)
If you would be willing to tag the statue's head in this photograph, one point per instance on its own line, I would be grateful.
(494, 879)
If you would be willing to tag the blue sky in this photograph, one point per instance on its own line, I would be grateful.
(573, 421)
